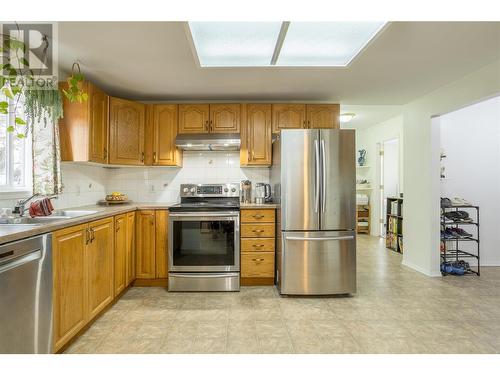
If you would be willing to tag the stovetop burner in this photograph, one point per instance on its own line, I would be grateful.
(208, 197)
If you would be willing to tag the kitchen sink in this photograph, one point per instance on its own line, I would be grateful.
(57, 215)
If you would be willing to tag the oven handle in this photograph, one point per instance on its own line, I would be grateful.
(205, 214)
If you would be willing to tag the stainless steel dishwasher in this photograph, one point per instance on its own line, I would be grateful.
(26, 296)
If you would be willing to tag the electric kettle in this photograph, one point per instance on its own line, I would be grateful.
(262, 193)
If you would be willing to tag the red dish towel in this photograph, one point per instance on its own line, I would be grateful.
(42, 207)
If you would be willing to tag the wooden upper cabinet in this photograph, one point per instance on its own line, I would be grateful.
(120, 269)
(100, 262)
(98, 125)
(323, 116)
(126, 135)
(145, 245)
(194, 118)
(164, 118)
(85, 126)
(288, 116)
(256, 135)
(225, 118)
(69, 295)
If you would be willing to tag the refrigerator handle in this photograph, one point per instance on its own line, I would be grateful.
(323, 173)
(317, 174)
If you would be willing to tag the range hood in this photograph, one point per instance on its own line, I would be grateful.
(208, 142)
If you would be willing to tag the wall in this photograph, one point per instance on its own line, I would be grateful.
(470, 138)
(421, 162)
(367, 139)
(157, 184)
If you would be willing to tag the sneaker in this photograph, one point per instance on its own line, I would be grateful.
(453, 216)
(445, 202)
(464, 216)
(462, 233)
(459, 202)
(450, 234)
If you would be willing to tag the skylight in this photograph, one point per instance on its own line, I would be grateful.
(261, 44)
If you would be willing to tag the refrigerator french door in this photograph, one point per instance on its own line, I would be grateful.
(315, 183)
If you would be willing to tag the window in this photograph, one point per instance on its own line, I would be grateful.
(15, 154)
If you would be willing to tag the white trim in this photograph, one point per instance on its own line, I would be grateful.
(420, 269)
(15, 194)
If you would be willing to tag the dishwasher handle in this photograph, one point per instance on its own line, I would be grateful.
(19, 261)
(20, 249)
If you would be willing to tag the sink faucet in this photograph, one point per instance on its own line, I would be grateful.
(21, 204)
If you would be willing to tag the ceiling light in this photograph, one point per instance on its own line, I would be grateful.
(220, 44)
(346, 117)
(325, 43)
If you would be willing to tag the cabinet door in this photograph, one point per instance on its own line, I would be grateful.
(258, 134)
(164, 132)
(98, 125)
(130, 247)
(288, 116)
(69, 297)
(100, 265)
(323, 116)
(193, 118)
(225, 118)
(120, 253)
(161, 243)
(126, 137)
(146, 251)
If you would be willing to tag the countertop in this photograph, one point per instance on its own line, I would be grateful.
(10, 233)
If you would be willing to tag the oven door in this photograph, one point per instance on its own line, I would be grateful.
(204, 241)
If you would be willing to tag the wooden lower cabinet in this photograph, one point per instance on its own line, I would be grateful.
(130, 245)
(120, 270)
(100, 262)
(70, 283)
(257, 246)
(152, 244)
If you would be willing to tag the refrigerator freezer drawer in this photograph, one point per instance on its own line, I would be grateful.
(316, 263)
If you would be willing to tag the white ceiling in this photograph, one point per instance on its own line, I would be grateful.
(369, 115)
(154, 61)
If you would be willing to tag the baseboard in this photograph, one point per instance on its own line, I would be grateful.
(420, 269)
(254, 281)
(151, 282)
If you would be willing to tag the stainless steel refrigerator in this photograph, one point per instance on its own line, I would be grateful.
(313, 179)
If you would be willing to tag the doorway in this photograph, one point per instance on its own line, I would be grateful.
(388, 177)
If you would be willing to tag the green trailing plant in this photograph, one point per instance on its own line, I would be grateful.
(17, 86)
(44, 105)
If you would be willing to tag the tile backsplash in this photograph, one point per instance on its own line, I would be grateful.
(86, 184)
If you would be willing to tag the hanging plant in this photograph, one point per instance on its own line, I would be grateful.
(43, 105)
(40, 104)
(75, 92)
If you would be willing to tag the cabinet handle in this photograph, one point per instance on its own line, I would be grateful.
(206, 125)
(142, 157)
(154, 157)
(211, 126)
(248, 155)
(308, 124)
(87, 236)
(92, 235)
(117, 228)
(254, 245)
(105, 153)
(258, 230)
(258, 216)
(258, 259)
(305, 124)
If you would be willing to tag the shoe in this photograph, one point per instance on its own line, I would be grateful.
(445, 202)
(462, 233)
(450, 234)
(456, 269)
(453, 216)
(459, 202)
(464, 216)
(446, 267)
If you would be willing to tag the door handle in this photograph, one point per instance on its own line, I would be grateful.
(339, 238)
(323, 169)
(316, 171)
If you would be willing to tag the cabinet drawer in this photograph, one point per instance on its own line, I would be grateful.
(257, 244)
(257, 230)
(257, 216)
(257, 264)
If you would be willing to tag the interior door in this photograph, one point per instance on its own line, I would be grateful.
(338, 182)
(300, 181)
(318, 263)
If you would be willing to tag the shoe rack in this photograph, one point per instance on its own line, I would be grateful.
(452, 249)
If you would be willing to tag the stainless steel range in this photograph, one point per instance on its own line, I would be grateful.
(204, 239)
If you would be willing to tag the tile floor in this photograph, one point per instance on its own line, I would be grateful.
(396, 310)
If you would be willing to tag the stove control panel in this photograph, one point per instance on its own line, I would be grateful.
(210, 190)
